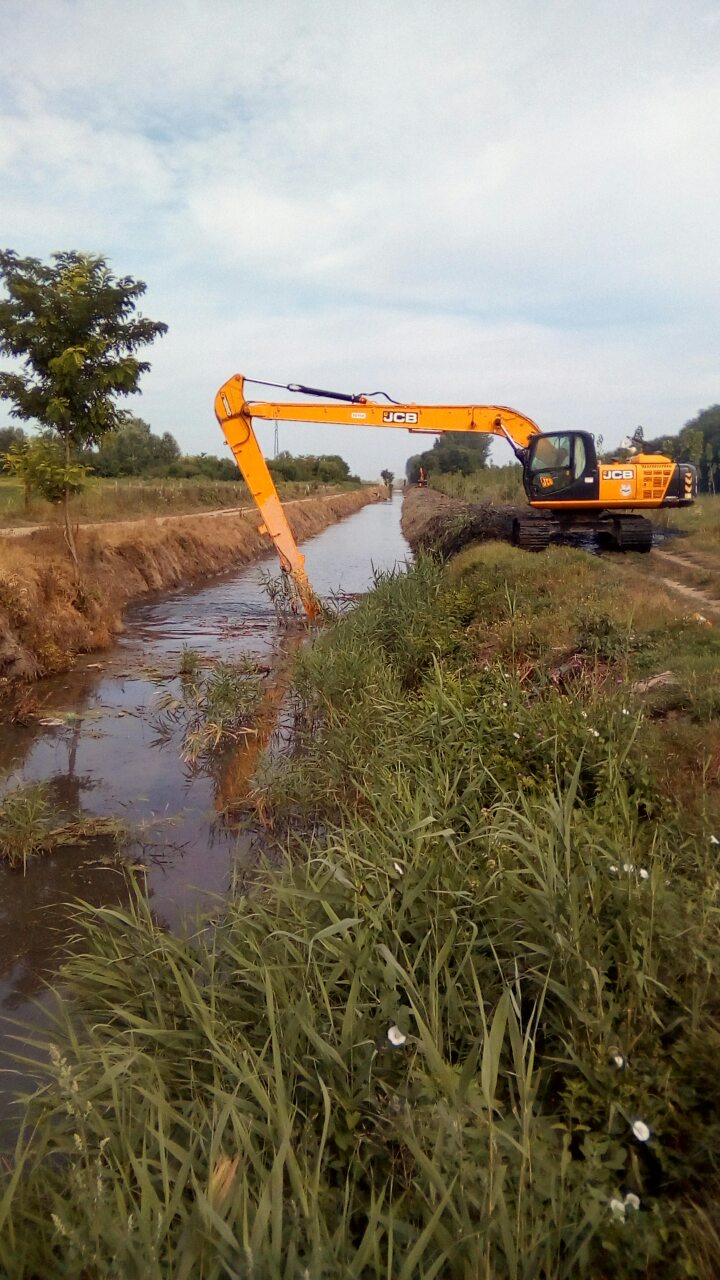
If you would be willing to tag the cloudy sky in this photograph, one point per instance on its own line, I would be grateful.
(488, 201)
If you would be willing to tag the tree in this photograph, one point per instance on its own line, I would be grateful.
(8, 437)
(387, 478)
(134, 450)
(460, 451)
(74, 327)
(39, 463)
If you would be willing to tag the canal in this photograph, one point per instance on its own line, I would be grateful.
(95, 742)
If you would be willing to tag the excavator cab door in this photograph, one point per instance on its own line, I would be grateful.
(561, 466)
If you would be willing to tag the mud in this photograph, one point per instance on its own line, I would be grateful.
(46, 621)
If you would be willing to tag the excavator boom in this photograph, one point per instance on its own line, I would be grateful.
(235, 415)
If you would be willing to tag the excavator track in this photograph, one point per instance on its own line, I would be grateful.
(627, 533)
(533, 533)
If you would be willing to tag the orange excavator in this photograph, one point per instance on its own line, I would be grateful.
(566, 486)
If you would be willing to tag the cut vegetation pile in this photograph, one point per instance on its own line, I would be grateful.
(471, 1025)
(432, 521)
(45, 620)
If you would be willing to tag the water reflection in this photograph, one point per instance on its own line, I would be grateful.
(101, 752)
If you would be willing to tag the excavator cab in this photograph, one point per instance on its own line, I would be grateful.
(561, 466)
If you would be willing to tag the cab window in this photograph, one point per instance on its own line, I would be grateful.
(552, 453)
(580, 459)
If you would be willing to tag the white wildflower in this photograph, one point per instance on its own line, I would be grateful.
(613, 870)
(584, 715)
(628, 867)
(399, 868)
(714, 840)
(619, 1060)
(396, 1037)
(644, 873)
(617, 1209)
(640, 1130)
(632, 1201)
(516, 736)
(625, 711)
(594, 733)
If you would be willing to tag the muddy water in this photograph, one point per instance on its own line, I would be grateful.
(101, 752)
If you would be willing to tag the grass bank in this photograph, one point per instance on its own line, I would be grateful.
(469, 1026)
(45, 620)
(131, 498)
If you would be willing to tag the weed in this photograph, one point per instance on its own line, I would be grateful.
(468, 1026)
(30, 824)
(25, 819)
(190, 662)
(212, 710)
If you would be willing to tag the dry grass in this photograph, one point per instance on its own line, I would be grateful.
(45, 621)
(129, 499)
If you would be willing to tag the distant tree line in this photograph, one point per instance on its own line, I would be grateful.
(698, 443)
(326, 468)
(453, 451)
(135, 450)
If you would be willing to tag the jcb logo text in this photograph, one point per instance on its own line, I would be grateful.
(618, 475)
(396, 415)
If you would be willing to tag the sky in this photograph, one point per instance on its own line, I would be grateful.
(474, 201)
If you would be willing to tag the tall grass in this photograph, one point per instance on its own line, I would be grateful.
(492, 484)
(467, 1027)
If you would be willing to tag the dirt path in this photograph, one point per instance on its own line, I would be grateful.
(708, 597)
(22, 531)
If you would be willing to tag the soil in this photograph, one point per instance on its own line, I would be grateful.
(45, 620)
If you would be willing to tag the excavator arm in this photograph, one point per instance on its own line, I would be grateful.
(235, 415)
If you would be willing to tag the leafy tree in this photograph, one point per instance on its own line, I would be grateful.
(461, 451)
(387, 478)
(316, 469)
(8, 437)
(134, 450)
(40, 464)
(698, 443)
(74, 327)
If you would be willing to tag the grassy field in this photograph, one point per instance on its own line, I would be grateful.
(468, 1024)
(130, 499)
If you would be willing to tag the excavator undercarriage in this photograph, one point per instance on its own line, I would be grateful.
(534, 531)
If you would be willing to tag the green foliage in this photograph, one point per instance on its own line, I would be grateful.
(30, 824)
(453, 451)
(495, 484)
(133, 450)
(466, 1023)
(321, 469)
(9, 436)
(25, 821)
(40, 464)
(212, 709)
(698, 443)
(387, 478)
(73, 325)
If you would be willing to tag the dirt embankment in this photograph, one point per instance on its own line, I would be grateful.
(45, 622)
(433, 522)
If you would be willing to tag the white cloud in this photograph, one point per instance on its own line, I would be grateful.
(474, 201)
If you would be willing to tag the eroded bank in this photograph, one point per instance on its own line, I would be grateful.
(45, 621)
